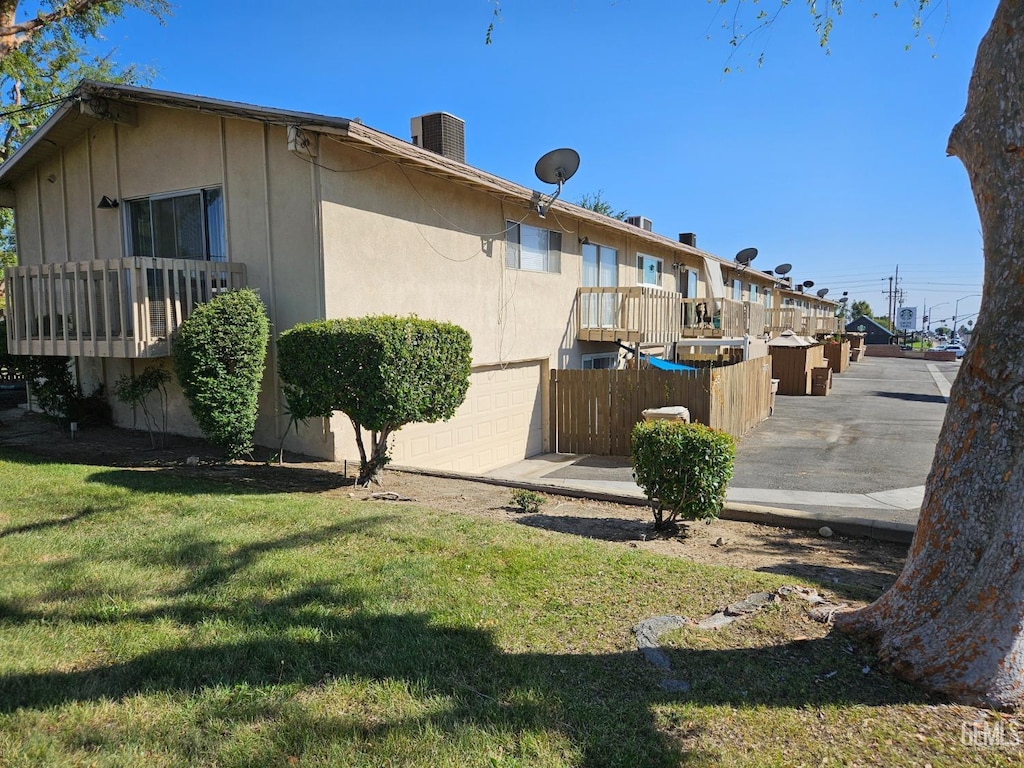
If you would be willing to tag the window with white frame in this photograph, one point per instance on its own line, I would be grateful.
(606, 361)
(752, 292)
(532, 248)
(737, 289)
(768, 297)
(179, 225)
(649, 269)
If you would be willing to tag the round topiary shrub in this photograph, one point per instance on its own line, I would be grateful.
(219, 354)
(683, 468)
(382, 371)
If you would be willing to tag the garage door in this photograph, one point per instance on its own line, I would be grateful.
(501, 421)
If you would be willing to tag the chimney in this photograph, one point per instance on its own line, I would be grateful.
(441, 133)
(688, 238)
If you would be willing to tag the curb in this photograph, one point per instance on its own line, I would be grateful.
(856, 527)
(778, 517)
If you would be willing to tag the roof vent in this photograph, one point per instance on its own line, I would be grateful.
(641, 221)
(688, 238)
(441, 133)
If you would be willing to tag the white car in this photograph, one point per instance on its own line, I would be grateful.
(955, 347)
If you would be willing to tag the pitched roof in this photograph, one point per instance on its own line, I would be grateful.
(852, 325)
(92, 102)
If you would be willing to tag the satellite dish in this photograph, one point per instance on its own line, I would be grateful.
(808, 283)
(746, 256)
(556, 167)
(821, 292)
(783, 269)
(844, 299)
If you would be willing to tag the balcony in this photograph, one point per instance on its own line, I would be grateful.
(803, 322)
(125, 308)
(646, 315)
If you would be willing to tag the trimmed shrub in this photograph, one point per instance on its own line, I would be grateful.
(219, 353)
(55, 390)
(52, 385)
(683, 468)
(383, 372)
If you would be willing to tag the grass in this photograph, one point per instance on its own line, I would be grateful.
(152, 618)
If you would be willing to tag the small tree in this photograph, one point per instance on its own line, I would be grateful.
(134, 390)
(860, 309)
(383, 372)
(52, 384)
(597, 203)
(683, 468)
(219, 354)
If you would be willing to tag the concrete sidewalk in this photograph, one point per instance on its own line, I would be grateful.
(855, 461)
(892, 515)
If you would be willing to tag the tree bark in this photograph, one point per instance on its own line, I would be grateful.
(952, 622)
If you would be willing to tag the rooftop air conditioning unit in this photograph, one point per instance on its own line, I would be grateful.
(440, 132)
(641, 221)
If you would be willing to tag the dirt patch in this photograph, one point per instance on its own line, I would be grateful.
(856, 569)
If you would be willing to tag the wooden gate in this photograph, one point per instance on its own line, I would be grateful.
(594, 411)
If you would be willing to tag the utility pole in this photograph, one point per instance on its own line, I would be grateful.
(892, 318)
(889, 305)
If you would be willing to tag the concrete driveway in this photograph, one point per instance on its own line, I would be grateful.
(856, 459)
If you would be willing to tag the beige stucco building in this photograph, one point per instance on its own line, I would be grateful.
(133, 204)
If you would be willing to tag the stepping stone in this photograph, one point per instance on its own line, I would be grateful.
(750, 604)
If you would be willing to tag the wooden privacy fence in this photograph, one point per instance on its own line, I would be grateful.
(594, 411)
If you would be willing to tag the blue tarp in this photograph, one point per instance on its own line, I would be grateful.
(665, 365)
(657, 362)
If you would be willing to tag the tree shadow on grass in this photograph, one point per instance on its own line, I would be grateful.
(223, 479)
(614, 529)
(321, 639)
(851, 583)
(214, 567)
(42, 525)
(870, 567)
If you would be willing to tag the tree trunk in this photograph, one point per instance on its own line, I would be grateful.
(953, 620)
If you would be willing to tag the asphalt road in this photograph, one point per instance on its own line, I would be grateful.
(876, 431)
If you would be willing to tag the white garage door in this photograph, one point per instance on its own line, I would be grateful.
(501, 421)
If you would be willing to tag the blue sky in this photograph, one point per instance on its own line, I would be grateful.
(833, 163)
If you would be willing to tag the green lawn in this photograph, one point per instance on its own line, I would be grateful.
(149, 618)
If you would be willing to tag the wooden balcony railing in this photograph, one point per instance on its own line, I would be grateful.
(647, 315)
(108, 307)
(803, 322)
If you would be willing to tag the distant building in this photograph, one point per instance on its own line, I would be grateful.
(875, 333)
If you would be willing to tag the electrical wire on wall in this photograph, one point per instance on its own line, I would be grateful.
(506, 303)
(412, 185)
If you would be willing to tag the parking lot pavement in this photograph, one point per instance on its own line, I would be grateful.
(856, 460)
